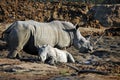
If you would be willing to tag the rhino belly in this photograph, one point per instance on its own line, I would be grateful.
(30, 47)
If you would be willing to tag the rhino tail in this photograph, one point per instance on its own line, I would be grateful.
(70, 58)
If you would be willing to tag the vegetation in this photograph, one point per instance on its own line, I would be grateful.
(84, 1)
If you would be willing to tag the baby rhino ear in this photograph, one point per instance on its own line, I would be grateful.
(43, 46)
(88, 37)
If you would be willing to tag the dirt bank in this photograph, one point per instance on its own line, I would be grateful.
(75, 12)
(105, 57)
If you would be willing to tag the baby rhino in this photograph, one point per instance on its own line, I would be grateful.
(53, 55)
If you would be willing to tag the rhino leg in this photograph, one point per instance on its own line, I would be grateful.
(70, 58)
(13, 54)
(14, 49)
(51, 61)
(16, 43)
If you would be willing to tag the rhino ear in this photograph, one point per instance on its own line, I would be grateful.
(76, 26)
(88, 37)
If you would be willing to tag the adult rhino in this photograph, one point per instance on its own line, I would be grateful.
(31, 34)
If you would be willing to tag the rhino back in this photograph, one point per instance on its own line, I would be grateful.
(52, 33)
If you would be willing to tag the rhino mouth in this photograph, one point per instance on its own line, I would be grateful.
(83, 50)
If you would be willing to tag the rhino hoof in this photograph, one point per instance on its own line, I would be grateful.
(11, 57)
(51, 63)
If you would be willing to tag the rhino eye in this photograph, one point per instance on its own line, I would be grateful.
(81, 41)
(40, 50)
(90, 44)
(43, 56)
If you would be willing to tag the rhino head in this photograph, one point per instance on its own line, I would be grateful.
(81, 43)
(42, 53)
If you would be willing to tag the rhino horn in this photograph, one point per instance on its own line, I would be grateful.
(99, 39)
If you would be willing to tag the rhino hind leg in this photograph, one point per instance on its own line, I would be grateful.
(70, 58)
(14, 51)
(14, 54)
(15, 45)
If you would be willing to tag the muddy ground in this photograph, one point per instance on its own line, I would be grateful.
(104, 58)
(106, 55)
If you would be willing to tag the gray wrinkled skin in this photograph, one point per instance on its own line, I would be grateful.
(32, 34)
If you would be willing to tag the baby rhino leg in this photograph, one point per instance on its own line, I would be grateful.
(51, 60)
(70, 58)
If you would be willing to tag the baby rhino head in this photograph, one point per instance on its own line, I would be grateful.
(42, 53)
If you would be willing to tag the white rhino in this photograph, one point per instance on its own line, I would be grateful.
(29, 35)
(54, 55)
